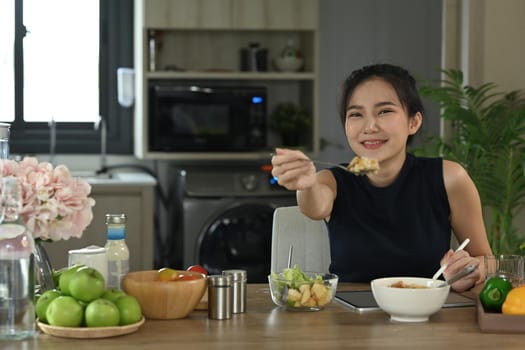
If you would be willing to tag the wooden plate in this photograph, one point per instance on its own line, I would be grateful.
(89, 332)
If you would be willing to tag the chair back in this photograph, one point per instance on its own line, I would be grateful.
(309, 238)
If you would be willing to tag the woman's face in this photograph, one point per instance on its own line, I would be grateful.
(377, 125)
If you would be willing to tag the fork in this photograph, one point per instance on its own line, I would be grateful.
(322, 162)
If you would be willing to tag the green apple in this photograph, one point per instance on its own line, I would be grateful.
(43, 302)
(112, 294)
(64, 311)
(129, 309)
(102, 313)
(87, 284)
(56, 275)
(65, 277)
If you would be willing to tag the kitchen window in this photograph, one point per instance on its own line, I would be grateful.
(58, 62)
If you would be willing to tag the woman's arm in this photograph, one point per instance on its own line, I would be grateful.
(315, 191)
(317, 201)
(466, 219)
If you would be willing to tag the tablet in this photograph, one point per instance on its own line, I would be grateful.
(360, 300)
(363, 300)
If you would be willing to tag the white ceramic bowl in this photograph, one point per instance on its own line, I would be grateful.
(288, 64)
(410, 304)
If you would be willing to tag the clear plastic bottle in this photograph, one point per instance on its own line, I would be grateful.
(116, 250)
(4, 140)
(152, 45)
(17, 287)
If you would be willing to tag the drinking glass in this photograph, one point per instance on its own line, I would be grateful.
(508, 266)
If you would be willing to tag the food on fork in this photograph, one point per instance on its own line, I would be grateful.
(363, 165)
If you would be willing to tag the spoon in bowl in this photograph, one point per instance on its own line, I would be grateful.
(466, 271)
(442, 268)
(290, 256)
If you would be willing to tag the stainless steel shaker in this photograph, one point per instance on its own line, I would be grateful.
(220, 297)
(238, 289)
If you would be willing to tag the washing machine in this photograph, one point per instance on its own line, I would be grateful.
(225, 219)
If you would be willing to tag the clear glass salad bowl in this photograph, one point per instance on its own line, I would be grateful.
(302, 291)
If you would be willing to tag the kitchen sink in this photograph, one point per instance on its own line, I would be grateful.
(108, 178)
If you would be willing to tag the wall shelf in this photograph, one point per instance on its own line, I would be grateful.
(230, 75)
(204, 42)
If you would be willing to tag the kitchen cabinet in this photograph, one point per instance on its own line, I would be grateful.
(231, 14)
(135, 199)
(200, 41)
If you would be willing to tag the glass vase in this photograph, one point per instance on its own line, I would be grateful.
(43, 270)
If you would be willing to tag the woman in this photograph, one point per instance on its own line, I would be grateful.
(398, 220)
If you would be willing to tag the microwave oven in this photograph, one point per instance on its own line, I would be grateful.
(185, 117)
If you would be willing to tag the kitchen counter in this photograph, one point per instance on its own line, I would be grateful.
(266, 326)
(117, 178)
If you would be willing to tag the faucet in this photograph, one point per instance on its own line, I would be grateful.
(101, 124)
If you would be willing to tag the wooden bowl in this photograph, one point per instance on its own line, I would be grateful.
(165, 299)
(203, 303)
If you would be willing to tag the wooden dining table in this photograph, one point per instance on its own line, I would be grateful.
(267, 326)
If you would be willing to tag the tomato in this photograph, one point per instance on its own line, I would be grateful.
(197, 268)
(187, 277)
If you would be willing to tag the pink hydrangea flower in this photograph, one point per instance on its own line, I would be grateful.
(56, 205)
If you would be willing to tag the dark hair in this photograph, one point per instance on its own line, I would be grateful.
(400, 79)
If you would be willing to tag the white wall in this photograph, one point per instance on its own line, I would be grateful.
(491, 48)
(354, 33)
(503, 51)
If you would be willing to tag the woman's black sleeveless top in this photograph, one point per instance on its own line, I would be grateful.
(395, 231)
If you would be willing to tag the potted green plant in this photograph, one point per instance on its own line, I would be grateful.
(487, 139)
(290, 121)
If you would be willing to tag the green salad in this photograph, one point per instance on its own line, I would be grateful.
(298, 290)
(294, 277)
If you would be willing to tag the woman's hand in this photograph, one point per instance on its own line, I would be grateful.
(456, 262)
(291, 170)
